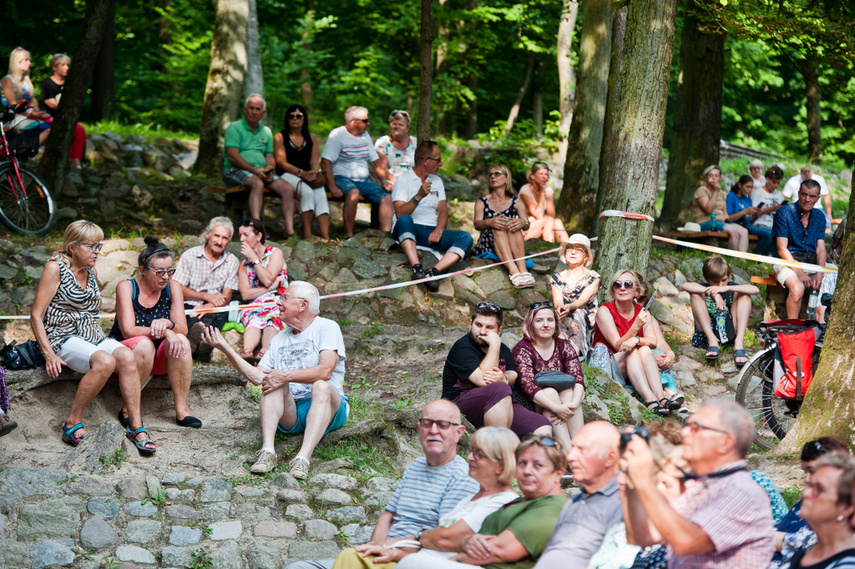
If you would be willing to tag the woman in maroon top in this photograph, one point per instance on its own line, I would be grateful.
(621, 330)
(543, 349)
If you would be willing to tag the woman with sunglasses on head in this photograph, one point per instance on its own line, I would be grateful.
(67, 327)
(574, 292)
(540, 204)
(493, 465)
(298, 159)
(516, 534)
(397, 150)
(262, 276)
(622, 332)
(542, 349)
(501, 218)
(150, 321)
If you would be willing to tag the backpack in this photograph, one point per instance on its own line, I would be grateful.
(793, 369)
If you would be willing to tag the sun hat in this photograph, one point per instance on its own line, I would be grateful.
(690, 227)
(578, 239)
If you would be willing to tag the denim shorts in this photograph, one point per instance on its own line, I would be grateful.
(367, 189)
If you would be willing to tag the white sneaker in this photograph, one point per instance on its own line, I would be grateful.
(299, 468)
(265, 463)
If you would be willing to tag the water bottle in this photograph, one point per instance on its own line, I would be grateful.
(813, 302)
(712, 220)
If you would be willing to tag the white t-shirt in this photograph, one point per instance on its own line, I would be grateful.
(760, 182)
(399, 160)
(791, 189)
(349, 154)
(290, 351)
(760, 198)
(407, 185)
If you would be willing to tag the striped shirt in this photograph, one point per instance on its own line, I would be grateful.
(196, 272)
(74, 310)
(348, 154)
(735, 514)
(427, 492)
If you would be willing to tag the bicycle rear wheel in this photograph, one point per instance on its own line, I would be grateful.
(26, 205)
(773, 416)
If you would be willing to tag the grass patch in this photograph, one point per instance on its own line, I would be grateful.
(375, 330)
(368, 458)
(791, 494)
(149, 131)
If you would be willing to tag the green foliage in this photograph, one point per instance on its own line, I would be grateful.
(375, 330)
(201, 559)
(155, 498)
(791, 494)
(515, 149)
(113, 460)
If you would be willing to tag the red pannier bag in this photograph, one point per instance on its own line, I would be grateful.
(793, 370)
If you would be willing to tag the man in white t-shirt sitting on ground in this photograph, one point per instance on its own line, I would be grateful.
(301, 377)
(791, 191)
(345, 160)
(419, 200)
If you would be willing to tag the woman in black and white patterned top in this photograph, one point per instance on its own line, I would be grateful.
(67, 328)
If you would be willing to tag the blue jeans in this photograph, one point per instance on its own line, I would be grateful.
(764, 245)
(452, 240)
(367, 189)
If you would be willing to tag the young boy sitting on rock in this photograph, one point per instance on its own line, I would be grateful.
(721, 309)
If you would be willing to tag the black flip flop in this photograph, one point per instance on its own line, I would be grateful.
(716, 351)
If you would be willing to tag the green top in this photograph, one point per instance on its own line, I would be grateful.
(531, 522)
(253, 146)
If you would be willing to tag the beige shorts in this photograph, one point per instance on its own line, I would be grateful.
(783, 274)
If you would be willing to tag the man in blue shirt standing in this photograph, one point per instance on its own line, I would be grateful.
(799, 232)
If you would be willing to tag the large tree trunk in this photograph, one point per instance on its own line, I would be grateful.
(577, 205)
(426, 76)
(441, 63)
(104, 83)
(696, 136)
(813, 119)
(225, 79)
(827, 410)
(54, 164)
(515, 109)
(566, 76)
(637, 128)
(537, 96)
(305, 78)
(618, 35)
(254, 83)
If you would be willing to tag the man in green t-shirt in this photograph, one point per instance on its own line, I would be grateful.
(249, 161)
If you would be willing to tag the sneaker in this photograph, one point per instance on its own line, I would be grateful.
(195, 336)
(432, 286)
(265, 463)
(418, 273)
(299, 468)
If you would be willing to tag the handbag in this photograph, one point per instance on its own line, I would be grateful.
(22, 356)
(557, 380)
(319, 182)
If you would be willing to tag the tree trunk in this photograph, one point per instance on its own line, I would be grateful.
(441, 64)
(470, 128)
(577, 205)
(618, 35)
(254, 83)
(305, 78)
(426, 76)
(537, 96)
(566, 76)
(103, 83)
(827, 410)
(225, 79)
(54, 163)
(696, 136)
(637, 128)
(813, 120)
(515, 109)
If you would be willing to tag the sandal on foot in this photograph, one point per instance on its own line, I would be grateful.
(145, 446)
(657, 408)
(528, 280)
(712, 353)
(669, 404)
(679, 398)
(123, 418)
(517, 280)
(740, 354)
(68, 434)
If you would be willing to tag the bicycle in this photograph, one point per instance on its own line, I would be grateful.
(27, 205)
(773, 415)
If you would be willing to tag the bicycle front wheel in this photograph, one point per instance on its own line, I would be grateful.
(26, 204)
(772, 415)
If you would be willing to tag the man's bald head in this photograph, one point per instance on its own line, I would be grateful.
(593, 460)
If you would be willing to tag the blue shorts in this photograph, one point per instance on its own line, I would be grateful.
(338, 420)
(367, 189)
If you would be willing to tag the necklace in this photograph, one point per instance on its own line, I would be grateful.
(294, 146)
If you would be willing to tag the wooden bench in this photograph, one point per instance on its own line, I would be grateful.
(776, 299)
(237, 199)
(707, 237)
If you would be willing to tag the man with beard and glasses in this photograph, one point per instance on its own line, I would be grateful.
(478, 375)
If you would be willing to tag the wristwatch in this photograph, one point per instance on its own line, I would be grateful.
(257, 261)
(416, 200)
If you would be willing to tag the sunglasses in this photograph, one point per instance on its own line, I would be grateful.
(617, 285)
(491, 306)
(443, 425)
(94, 247)
(541, 440)
(536, 305)
(160, 273)
(293, 116)
(363, 121)
(495, 174)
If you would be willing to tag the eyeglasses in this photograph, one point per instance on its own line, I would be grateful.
(491, 306)
(94, 247)
(442, 425)
(541, 440)
(694, 427)
(575, 249)
(160, 273)
(285, 297)
(495, 174)
(536, 305)
(293, 116)
(617, 285)
(435, 159)
(478, 454)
